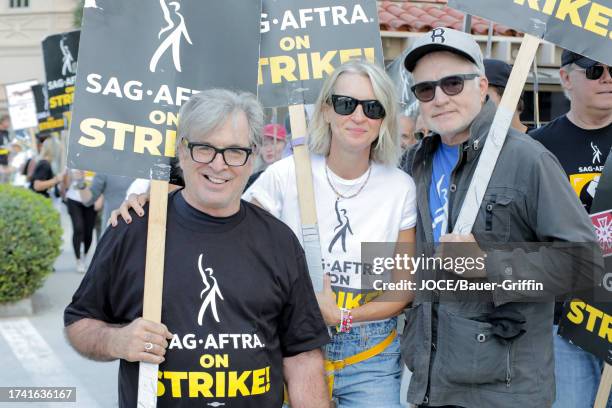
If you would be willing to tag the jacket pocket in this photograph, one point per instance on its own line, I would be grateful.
(493, 222)
(409, 344)
(468, 353)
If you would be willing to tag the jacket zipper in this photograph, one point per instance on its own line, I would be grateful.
(451, 194)
(489, 213)
(508, 367)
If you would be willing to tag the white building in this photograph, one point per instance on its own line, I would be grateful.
(23, 26)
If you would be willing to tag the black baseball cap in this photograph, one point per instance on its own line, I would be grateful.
(569, 57)
(497, 72)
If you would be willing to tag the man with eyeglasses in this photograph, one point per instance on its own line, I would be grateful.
(581, 140)
(239, 312)
(469, 351)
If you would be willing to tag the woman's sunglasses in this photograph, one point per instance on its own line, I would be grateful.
(451, 85)
(345, 105)
(595, 72)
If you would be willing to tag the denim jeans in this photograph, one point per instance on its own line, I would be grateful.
(577, 375)
(374, 382)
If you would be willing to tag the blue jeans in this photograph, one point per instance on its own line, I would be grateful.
(577, 375)
(374, 382)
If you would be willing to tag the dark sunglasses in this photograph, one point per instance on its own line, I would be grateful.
(595, 72)
(450, 85)
(345, 105)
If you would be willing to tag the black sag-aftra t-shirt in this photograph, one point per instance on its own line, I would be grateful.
(236, 296)
(582, 154)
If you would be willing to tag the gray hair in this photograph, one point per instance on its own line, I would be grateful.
(208, 110)
(386, 149)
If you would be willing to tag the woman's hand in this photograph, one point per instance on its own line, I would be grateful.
(327, 303)
(134, 201)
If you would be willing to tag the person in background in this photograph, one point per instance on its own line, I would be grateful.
(274, 142)
(4, 149)
(43, 177)
(271, 149)
(17, 162)
(407, 131)
(82, 216)
(112, 187)
(498, 73)
(581, 140)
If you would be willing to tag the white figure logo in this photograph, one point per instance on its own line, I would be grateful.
(209, 293)
(441, 214)
(45, 93)
(67, 59)
(173, 39)
(596, 153)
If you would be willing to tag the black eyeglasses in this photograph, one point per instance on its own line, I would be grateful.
(451, 85)
(205, 153)
(595, 72)
(345, 105)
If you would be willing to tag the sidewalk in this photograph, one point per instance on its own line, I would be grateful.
(34, 351)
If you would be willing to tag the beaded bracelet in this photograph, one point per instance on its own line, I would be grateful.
(346, 321)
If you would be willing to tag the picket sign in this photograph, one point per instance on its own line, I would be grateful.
(306, 197)
(497, 135)
(153, 285)
(603, 392)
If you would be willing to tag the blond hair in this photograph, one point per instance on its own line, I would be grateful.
(386, 149)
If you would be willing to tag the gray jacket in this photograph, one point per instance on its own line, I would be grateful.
(451, 351)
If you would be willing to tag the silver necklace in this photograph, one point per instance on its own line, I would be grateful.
(346, 197)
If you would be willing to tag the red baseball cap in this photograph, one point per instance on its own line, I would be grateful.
(275, 129)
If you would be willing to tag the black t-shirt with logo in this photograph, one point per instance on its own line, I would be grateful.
(582, 154)
(237, 297)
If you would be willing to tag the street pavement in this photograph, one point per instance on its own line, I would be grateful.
(34, 351)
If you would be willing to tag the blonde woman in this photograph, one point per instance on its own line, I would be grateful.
(43, 178)
(361, 196)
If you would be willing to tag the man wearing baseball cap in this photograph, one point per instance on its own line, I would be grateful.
(274, 141)
(271, 150)
(495, 352)
(581, 140)
(498, 73)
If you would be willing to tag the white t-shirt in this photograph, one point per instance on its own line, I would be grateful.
(385, 206)
(73, 193)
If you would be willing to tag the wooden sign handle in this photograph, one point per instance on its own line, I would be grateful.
(303, 172)
(497, 136)
(306, 196)
(153, 286)
(603, 393)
